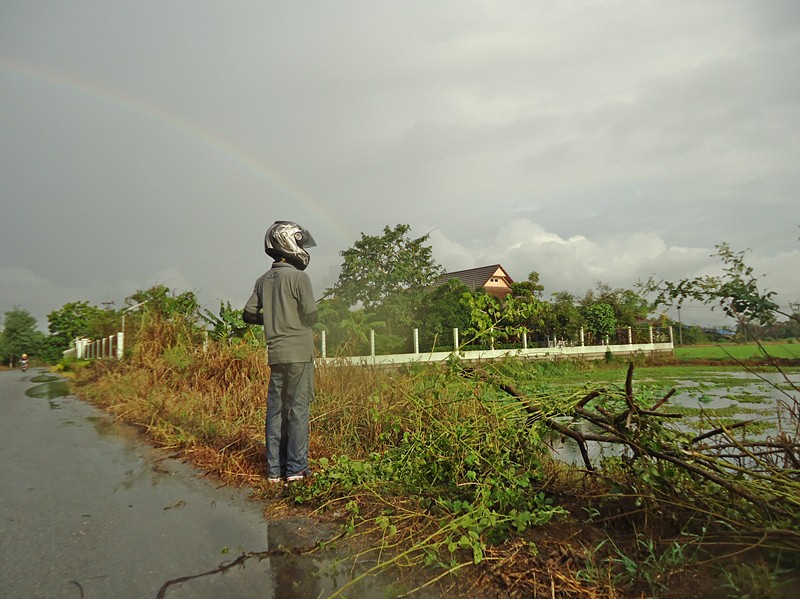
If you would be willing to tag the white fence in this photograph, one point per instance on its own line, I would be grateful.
(107, 347)
(113, 347)
(554, 351)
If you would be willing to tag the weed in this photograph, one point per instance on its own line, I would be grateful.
(756, 580)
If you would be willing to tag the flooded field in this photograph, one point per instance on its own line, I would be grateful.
(709, 400)
(728, 397)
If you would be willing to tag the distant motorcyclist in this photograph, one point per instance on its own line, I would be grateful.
(23, 362)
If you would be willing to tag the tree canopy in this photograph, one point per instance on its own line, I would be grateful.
(20, 335)
(163, 301)
(441, 310)
(736, 291)
(72, 320)
(378, 267)
(628, 307)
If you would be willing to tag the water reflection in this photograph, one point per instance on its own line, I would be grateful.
(717, 397)
(264, 575)
(145, 490)
(52, 390)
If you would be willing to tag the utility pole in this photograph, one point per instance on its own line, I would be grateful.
(125, 311)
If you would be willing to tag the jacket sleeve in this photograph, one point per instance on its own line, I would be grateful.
(252, 309)
(307, 304)
(251, 318)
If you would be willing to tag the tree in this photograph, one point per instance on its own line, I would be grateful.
(503, 320)
(386, 277)
(377, 268)
(164, 302)
(229, 324)
(531, 288)
(736, 291)
(71, 321)
(563, 319)
(357, 324)
(441, 310)
(629, 307)
(600, 320)
(20, 335)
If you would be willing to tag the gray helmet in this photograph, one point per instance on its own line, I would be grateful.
(286, 240)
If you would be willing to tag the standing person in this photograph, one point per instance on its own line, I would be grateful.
(283, 302)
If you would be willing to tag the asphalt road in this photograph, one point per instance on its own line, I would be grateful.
(87, 510)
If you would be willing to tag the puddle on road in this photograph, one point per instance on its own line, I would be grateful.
(293, 577)
(50, 388)
(288, 575)
(141, 475)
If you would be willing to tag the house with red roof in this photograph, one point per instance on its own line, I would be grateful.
(493, 279)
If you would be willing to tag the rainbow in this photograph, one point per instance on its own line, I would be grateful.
(183, 126)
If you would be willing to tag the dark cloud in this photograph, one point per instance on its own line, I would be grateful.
(146, 142)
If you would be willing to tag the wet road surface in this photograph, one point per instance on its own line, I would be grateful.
(87, 510)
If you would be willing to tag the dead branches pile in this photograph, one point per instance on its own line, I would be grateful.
(748, 487)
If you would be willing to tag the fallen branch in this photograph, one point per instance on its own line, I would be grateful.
(239, 561)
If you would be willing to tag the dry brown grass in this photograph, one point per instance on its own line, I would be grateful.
(353, 408)
(209, 401)
(206, 401)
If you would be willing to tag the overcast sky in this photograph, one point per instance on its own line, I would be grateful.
(146, 142)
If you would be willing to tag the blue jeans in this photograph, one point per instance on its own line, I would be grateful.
(289, 397)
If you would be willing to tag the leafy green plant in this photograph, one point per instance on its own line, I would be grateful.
(229, 323)
(606, 564)
(467, 468)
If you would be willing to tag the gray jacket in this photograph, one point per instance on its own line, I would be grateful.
(289, 311)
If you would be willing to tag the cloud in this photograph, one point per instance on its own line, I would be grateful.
(21, 287)
(39, 295)
(155, 142)
(577, 263)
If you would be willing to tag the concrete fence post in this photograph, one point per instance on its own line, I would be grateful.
(372, 343)
(630, 336)
(651, 334)
(416, 341)
(455, 340)
(120, 345)
(582, 338)
(324, 341)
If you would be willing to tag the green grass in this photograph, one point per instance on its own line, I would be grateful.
(736, 351)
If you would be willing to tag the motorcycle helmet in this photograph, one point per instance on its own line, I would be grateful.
(24, 356)
(286, 240)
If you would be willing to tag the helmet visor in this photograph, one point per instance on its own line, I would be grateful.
(306, 240)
